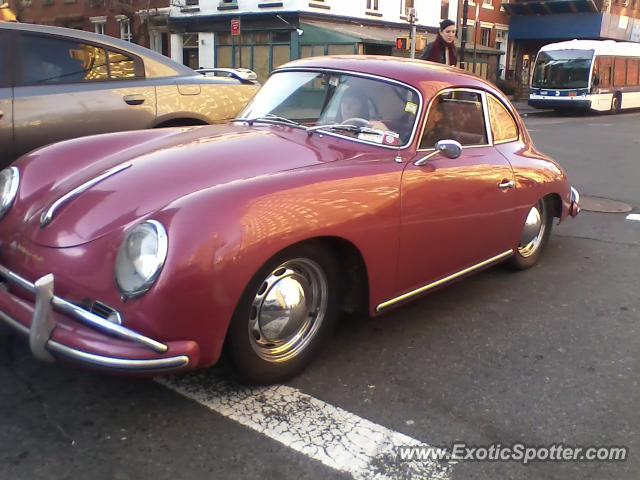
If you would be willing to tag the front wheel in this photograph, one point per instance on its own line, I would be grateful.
(534, 236)
(287, 311)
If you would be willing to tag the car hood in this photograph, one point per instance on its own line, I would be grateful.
(154, 174)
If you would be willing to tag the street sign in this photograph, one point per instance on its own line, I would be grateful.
(235, 27)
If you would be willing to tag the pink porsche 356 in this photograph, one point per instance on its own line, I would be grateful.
(347, 184)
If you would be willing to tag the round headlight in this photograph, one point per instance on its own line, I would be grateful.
(140, 258)
(9, 181)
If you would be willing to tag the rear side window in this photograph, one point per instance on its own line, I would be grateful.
(456, 115)
(121, 66)
(4, 67)
(503, 126)
(50, 60)
(47, 60)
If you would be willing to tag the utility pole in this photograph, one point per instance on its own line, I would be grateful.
(463, 36)
(475, 34)
(412, 22)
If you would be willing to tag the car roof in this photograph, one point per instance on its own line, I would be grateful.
(105, 40)
(428, 77)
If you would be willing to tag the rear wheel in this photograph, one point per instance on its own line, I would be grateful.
(286, 313)
(534, 236)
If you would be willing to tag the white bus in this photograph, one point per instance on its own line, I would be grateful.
(600, 75)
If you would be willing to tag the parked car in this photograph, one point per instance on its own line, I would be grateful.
(58, 83)
(147, 251)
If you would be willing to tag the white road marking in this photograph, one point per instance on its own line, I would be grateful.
(330, 435)
(600, 124)
(634, 216)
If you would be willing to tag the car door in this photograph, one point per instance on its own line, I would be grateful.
(6, 102)
(456, 212)
(70, 88)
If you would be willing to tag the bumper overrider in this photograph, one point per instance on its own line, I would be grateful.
(59, 329)
(574, 205)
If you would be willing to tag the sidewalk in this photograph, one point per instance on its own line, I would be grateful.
(525, 110)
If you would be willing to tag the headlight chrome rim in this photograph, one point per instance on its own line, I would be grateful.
(7, 201)
(161, 256)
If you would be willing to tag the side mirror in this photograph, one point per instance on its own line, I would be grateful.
(596, 80)
(448, 148)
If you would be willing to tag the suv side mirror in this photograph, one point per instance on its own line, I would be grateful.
(596, 80)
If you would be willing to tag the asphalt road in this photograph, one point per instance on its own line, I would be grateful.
(545, 356)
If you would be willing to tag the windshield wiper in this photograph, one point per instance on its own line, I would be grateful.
(345, 127)
(270, 118)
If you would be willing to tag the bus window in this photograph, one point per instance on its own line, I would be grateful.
(632, 71)
(604, 69)
(562, 69)
(619, 72)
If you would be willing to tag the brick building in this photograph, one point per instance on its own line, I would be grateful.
(140, 21)
(488, 26)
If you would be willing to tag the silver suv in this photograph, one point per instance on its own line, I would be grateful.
(58, 83)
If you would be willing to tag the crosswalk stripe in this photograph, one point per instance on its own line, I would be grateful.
(330, 435)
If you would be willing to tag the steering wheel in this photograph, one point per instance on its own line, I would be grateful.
(357, 121)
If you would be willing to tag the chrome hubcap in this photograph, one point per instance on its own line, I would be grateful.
(533, 231)
(288, 310)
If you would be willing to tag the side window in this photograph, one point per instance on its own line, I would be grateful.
(604, 69)
(4, 67)
(47, 60)
(456, 115)
(503, 125)
(619, 72)
(121, 66)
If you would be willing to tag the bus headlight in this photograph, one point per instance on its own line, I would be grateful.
(9, 181)
(140, 258)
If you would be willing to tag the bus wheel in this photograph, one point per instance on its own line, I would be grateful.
(616, 104)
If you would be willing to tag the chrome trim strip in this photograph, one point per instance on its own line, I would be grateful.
(48, 214)
(487, 121)
(99, 360)
(437, 283)
(90, 319)
(416, 124)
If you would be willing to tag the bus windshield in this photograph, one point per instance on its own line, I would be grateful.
(562, 69)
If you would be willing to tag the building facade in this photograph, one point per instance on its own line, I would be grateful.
(488, 26)
(144, 22)
(274, 32)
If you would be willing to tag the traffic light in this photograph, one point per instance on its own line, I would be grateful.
(403, 43)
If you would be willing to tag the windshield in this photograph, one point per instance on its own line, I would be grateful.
(379, 112)
(562, 69)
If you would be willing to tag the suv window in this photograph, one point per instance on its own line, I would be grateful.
(456, 115)
(503, 126)
(48, 60)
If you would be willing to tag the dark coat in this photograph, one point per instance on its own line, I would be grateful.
(435, 52)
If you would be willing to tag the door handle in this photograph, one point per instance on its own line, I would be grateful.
(133, 99)
(506, 184)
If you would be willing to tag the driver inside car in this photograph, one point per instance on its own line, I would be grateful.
(354, 110)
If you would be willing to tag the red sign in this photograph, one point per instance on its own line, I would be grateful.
(235, 27)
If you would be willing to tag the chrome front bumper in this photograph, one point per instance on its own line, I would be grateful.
(43, 324)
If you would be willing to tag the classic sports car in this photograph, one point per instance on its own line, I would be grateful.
(347, 184)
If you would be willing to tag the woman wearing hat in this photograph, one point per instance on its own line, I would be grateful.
(443, 48)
